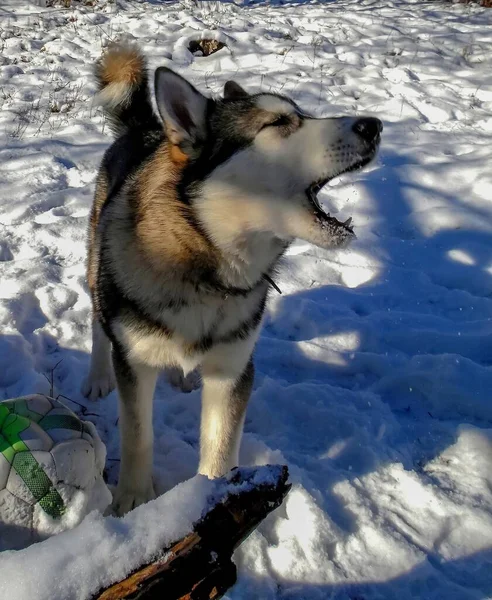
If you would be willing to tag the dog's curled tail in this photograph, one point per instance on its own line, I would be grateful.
(122, 78)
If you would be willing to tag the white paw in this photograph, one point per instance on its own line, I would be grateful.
(187, 383)
(125, 499)
(98, 385)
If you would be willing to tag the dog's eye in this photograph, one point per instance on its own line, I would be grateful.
(278, 122)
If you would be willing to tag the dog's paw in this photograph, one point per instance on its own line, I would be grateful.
(187, 383)
(98, 385)
(125, 500)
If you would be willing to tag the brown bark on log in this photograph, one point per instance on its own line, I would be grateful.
(199, 566)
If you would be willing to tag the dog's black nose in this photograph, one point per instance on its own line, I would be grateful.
(368, 128)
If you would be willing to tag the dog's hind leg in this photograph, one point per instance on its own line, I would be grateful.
(136, 386)
(100, 381)
(185, 383)
(224, 399)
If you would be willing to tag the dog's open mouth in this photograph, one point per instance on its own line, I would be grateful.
(316, 187)
(311, 193)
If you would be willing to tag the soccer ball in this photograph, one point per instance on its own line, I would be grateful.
(51, 466)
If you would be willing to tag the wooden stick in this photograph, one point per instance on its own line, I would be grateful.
(199, 566)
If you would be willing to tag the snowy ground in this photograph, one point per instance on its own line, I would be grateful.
(374, 370)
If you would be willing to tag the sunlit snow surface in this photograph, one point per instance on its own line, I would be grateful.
(373, 381)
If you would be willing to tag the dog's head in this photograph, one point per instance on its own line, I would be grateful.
(258, 161)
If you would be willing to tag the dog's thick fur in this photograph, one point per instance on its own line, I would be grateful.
(192, 212)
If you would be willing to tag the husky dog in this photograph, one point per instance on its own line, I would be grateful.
(195, 203)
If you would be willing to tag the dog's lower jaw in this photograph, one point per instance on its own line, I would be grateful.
(331, 233)
(313, 225)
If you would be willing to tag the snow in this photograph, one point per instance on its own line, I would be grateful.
(374, 366)
(79, 562)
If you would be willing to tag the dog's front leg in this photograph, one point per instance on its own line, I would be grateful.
(136, 386)
(224, 400)
(100, 380)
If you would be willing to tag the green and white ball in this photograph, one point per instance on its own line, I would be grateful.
(51, 470)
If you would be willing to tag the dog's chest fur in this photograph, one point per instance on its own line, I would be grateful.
(167, 292)
(182, 337)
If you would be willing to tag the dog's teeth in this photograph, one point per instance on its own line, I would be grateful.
(347, 222)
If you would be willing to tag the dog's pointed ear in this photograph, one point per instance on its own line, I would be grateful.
(182, 108)
(233, 90)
